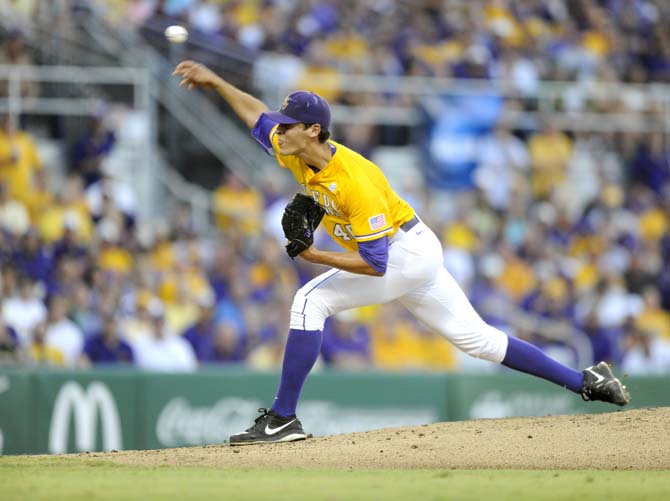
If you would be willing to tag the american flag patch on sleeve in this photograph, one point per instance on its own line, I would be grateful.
(377, 222)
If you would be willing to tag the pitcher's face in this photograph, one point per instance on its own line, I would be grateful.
(294, 138)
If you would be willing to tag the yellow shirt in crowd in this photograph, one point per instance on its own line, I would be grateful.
(18, 162)
(549, 154)
(241, 208)
(402, 346)
(46, 355)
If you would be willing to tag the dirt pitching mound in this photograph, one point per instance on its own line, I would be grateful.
(625, 440)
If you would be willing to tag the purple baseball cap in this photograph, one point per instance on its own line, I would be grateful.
(304, 107)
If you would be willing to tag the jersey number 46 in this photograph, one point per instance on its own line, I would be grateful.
(343, 233)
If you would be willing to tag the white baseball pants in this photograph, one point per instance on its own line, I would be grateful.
(416, 277)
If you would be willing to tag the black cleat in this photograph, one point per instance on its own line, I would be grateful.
(270, 427)
(600, 384)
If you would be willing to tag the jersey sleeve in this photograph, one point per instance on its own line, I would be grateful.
(263, 132)
(375, 253)
(369, 215)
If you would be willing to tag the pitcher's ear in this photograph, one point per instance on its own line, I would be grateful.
(314, 129)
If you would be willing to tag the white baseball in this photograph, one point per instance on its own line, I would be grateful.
(176, 34)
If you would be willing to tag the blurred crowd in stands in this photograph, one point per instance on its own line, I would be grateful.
(563, 239)
(539, 39)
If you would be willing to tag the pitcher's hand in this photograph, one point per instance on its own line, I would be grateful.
(195, 75)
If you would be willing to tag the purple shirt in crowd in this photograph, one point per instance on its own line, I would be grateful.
(99, 353)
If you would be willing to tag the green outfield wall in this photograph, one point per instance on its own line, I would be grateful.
(66, 411)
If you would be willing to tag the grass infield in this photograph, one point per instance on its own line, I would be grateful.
(72, 478)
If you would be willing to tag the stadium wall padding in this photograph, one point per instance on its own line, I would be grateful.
(57, 411)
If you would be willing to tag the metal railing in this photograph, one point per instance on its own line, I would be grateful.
(232, 146)
(137, 80)
(549, 101)
(150, 72)
(549, 97)
(16, 75)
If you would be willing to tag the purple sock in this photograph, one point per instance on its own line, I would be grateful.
(525, 357)
(302, 350)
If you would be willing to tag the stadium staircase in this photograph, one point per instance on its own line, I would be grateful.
(119, 66)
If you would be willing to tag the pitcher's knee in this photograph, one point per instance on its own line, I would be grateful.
(308, 311)
(488, 343)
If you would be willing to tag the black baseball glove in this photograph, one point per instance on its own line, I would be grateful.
(302, 216)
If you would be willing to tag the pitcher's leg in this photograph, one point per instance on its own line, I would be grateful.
(443, 306)
(302, 350)
(413, 261)
(338, 290)
(525, 357)
(327, 294)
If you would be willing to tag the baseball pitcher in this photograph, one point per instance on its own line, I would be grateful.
(389, 254)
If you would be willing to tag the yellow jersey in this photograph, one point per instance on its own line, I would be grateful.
(360, 204)
(19, 160)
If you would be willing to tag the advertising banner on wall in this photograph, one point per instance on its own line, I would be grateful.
(66, 411)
